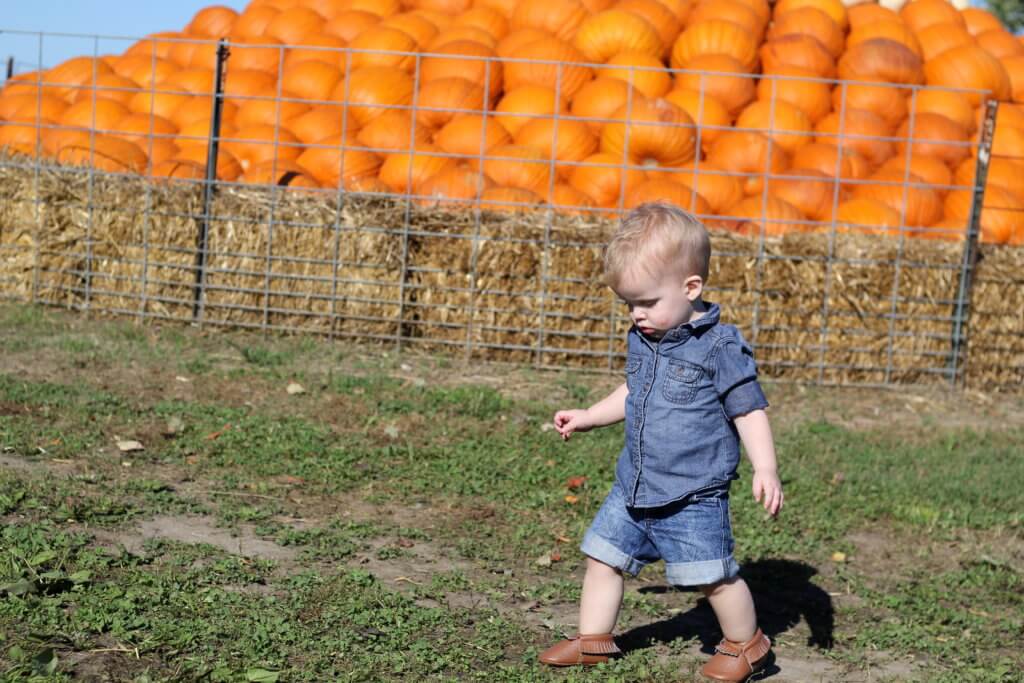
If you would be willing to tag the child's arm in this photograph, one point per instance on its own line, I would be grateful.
(609, 410)
(756, 434)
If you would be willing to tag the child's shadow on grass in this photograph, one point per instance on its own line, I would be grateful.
(783, 594)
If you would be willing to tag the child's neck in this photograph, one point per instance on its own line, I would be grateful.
(699, 309)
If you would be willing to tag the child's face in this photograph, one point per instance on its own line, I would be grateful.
(657, 303)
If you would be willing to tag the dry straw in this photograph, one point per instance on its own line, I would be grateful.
(512, 286)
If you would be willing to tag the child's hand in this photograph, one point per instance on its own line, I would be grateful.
(569, 421)
(768, 490)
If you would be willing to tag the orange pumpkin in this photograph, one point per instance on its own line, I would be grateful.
(969, 66)
(252, 145)
(249, 83)
(262, 55)
(320, 47)
(350, 23)
(643, 71)
(603, 178)
(439, 100)
(198, 133)
(371, 90)
(108, 86)
(518, 38)
(800, 88)
(934, 135)
(710, 115)
(332, 8)
(156, 45)
(834, 8)
(334, 164)
(886, 100)
(508, 199)
(178, 169)
(23, 137)
(548, 62)
(667, 191)
(467, 33)
(759, 216)
(938, 38)
(406, 172)
(102, 152)
(527, 168)
(137, 127)
(781, 121)
(1014, 67)
(1004, 172)
(393, 131)
(201, 108)
(891, 30)
(290, 25)
(145, 71)
(650, 132)
(213, 22)
(567, 199)
(383, 46)
(862, 131)
(19, 107)
(751, 154)
(813, 22)
(720, 188)
(715, 36)
(1001, 213)
(978, 20)
(597, 101)
(453, 186)
(487, 19)
(314, 81)
(881, 60)
(228, 167)
(270, 111)
(566, 140)
(868, 12)
(812, 192)
(831, 160)
(464, 59)
(735, 11)
(1000, 43)
(65, 78)
(318, 122)
(922, 14)
(560, 18)
(799, 50)
(734, 92)
(867, 217)
(657, 14)
(603, 35)
(921, 205)
(471, 135)
(931, 170)
(521, 104)
(101, 115)
(280, 174)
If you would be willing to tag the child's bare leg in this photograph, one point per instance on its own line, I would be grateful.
(601, 598)
(734, 607)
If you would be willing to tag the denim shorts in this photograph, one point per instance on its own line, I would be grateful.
(693, 536)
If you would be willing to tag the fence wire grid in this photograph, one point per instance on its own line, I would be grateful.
(250, 235)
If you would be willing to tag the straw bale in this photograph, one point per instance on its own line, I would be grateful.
(17, 225)
(995, 347)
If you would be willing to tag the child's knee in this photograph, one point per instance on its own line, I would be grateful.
(717, 587)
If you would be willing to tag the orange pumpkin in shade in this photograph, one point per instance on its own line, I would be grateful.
(650, 132)
(867, 216)
(891, 30)
(509, 200)
(715, 37)
(252, 145)
(454, 186)
(372, 90)
(969, 66)
(464, 59)
(567, 199)
(527, 168)
(862, 131)
(868, 12)
(710, 116)
(548, 62)
(1004, 172)
(768, 216)
(799, 50)
(658, 15)
(923, 206)
(979, 21)
(799, 87)
(603, 178)
(270, 111)
(812, 192)
(667, 191)
(931, 170)
(735, 11)
(644, 72)
(599, 99)
(720, 188)
(319, 122)
(751, 154)
(521, 104)
(921, 14)
(177, 169)
(831, 160)
(813, 22)
(228, 167)
(560, 18)
(438, 101)
(781, 121)
(393, 131)
(1002, 213)
(102, 152)
(333, 163)
(734, 92)
(603, 35)
(565, 140)
(279, 173)
(936, 136)
(472, 135)
(881, 60)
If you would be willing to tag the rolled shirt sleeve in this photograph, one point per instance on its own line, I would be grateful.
(736, 379)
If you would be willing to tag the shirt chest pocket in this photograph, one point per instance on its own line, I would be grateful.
(682, 380)
(633, 365)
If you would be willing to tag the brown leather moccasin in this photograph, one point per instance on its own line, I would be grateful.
(581, 651)
(738, 661)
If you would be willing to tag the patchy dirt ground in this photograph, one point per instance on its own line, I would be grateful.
(910, 409)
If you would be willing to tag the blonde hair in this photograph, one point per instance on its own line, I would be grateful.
(658, 237)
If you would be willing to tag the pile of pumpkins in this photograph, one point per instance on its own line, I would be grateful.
(773, 118)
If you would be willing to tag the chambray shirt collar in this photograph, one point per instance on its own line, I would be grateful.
(686, 330)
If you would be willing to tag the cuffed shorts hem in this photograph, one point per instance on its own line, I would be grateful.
(701, 573)
(603, 551)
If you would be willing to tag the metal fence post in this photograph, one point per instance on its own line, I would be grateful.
(209, 185)
(969, 259)
(10, 67)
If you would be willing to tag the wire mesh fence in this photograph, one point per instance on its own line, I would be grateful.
(460, 200)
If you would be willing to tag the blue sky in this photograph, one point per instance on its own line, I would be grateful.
(90, 17)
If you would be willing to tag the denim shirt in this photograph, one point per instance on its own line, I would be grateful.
(684, 392)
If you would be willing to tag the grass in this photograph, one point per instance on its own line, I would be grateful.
(417, 511)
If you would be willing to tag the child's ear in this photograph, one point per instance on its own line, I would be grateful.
(694, 287)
